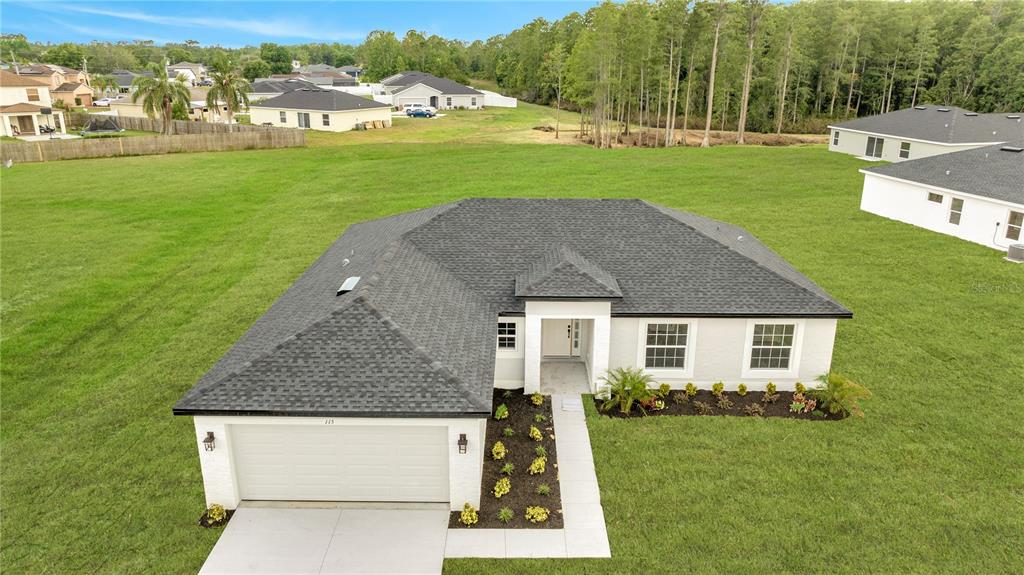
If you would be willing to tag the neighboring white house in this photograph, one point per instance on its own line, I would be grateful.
(372, 377)
(975, 195)
(26, 106)
(413, 87)
(319, 109)
(191, 72)
(921, 132)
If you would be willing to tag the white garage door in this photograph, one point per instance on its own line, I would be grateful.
(341, 463)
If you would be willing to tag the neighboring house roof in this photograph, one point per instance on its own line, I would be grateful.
(415, 335)
(124, 78)
(70, 87)
(952, 126)
(351, 69)
(319, 100)
(279, 86)
(21, 107)
(405, 80)
(562, 272)
(12, 80)
(992, 171)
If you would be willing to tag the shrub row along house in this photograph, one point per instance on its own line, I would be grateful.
(26, 106)
(412, 87)
(923, 131)
(380, 361)
(319, 109)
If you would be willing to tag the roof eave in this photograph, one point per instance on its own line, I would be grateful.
(187, 411)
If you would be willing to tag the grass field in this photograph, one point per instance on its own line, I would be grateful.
(119, 292)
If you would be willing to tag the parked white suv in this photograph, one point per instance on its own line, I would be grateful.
(417, 106)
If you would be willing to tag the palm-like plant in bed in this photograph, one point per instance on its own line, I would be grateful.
(625, 386)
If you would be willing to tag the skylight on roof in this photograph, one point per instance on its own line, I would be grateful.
(348, 285)
(920, 108)
(1013, 116)
(943, 109)
(1014, 149)
(970, 113)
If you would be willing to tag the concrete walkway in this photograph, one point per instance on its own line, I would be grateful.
(584, 533)
(339, 539)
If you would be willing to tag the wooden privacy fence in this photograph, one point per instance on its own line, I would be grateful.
(180, 126)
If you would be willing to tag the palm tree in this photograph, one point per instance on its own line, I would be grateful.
(159, 95)
(104, 84)
(230, 88)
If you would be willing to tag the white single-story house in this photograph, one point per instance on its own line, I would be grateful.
(372, 377)
(922, 131)
(319, 109)
(976, 195)
(413, 87)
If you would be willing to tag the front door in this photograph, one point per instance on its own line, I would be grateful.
(303, 120)
(560, 338)
(433, 101)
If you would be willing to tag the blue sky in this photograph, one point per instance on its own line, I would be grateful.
(240, 23)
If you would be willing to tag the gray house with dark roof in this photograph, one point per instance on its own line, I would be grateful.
(314, 108)
(923, 131)
(412, 87)
(363, 379)
(975, 195)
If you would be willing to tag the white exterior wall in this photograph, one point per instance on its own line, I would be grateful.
(221, 484)
(719, 350)
(421, 94)
(983, 220)
(509, 364)
(496, 100)
(598, 335)
(10, 95)
(342, 121)
(855, 144)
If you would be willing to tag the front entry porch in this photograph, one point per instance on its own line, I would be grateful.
(566, 347)
(563, 377)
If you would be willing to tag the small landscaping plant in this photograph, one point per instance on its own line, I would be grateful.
(537, 514)
(215, 516)
(538, 466)
(540, 418)
(680, 397)
(838, 394)
(544, 489)
(770, 388)
(801, 388)
(507, 394)
(505, 514)
(624, 387)
(469, 516)
(502, 487)
(498, 451)
(802, 403)
(535, 434)
(537, 399)
(770, 395)
(717, 389)
(664, 389)
(742, 390)
(540, 451)
(508, 469)
(691, 390)
(702, 408)
(501, 412)
(754, 409)
(508, 432)
(724, 402)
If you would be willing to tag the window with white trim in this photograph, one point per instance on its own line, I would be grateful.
(507, 335)
(933, 197)
(956, 210)
(284, 117)
(772, 345)
(326, 119)
(665, 347)
(472, 102)
(874, 148)
(448, 101)
(1014, 224)
(835, 137)
(904, 150)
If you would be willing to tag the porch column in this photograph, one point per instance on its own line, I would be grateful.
(60, 121)
(601, 341)
(531, 370)
(5, 129)
(35, 124)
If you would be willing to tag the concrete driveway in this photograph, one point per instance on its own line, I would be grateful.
(344, 539)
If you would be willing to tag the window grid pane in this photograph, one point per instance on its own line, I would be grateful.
(1014, 225)
(772, 346)
(666, 345)
(506, 335)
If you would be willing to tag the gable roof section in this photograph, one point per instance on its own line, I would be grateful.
(320, 100)
(930, 123)
(989, 172)
(563, 273)
(21, 107)
(11, 80)
(71, 87)
(405, 80)
(415, 336)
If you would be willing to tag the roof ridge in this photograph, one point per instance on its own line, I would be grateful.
(819, 296)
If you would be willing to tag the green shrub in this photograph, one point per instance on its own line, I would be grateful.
(770, 388)
(540, 418)
(216, 514)
(540, 451)
(538, 466)
(838, 394)
(724, 402)
(501, 412)
(741, 390)
(691, 390)
(537, 399)
(508, 469)
(703, 408)
(508, 432)
(502, 487)
(469, 516)
(498, 451)
(800, 388)
(754, 409)
(537, 514)
(535, 434)
(717, 389)
(505, 514)
(664, 388)
(624, 387)
(680, 397)
(543, 489)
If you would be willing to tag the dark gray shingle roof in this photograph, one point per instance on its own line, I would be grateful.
(415, 337)
(989, 172)
(954, 126)
(319, 100)
(280, 86)
(405, 80)
(561, 272)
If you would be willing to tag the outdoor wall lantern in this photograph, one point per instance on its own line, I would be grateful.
(463, 442)
(208, 443)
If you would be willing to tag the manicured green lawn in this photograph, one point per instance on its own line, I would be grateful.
(119, 292)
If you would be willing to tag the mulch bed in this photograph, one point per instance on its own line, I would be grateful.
(520, 448)
(676, 403)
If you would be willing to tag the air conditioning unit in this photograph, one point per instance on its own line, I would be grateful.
(1015, 253)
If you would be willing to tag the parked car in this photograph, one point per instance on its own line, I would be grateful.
(410, 107)
(420, 113)
(206, 82)
(102, 102)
